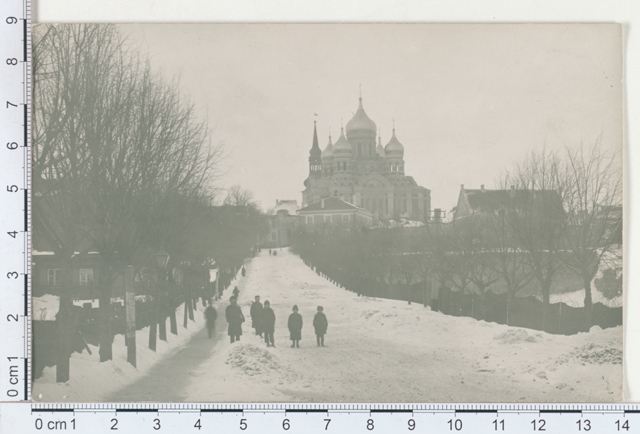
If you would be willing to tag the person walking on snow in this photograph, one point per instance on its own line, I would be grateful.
(295, 327)
(244, 272)
(268, 324)
(320, 325)
(235, 318)
(256, 315)
(210, 315)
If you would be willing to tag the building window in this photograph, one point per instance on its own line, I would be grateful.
(327, 219)
(53, 277)
(345, 218)
(86, 276)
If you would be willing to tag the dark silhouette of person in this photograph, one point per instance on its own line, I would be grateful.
(295, 327)
(256, 315)
(320, 325)
(211, 315)
(235, 318)
(268, 324)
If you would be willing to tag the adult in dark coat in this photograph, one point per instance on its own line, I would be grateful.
(320, 325)
(235, 318)
(295, 327)
(256, 315)
(268, 324)
(210, 315)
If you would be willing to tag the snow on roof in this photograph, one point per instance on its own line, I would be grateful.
(329, 204)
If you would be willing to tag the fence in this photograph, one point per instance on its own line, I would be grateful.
(525, 312)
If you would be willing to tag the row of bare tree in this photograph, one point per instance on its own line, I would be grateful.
(123, 166)
(553, 214)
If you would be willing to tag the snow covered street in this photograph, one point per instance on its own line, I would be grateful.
(377, 351)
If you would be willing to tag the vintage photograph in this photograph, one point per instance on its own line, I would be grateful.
(327, 213)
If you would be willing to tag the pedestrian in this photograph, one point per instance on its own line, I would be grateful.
(244, 272)
(236, 292)
(320, 325)
(295, 327)
(235, 318)
(269, 252)
(210, 315)
(268, 324)
(256, 315)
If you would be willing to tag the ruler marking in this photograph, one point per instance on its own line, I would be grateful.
(310, 410)
(53, 410)
(26, 296)
(391, 410)
(136, 410)
(559, 411)
(24, 33)
(465, 410)
(221, 410)
(632, 411)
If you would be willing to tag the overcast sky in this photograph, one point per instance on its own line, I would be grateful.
(469, 101)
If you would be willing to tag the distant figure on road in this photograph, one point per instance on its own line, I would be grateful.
(320, 325)
(236, 292)
(244, 272)
(210, 315)
(295, 327)
(269, 252)
(235, 318)
(268, 324)
(256, 316)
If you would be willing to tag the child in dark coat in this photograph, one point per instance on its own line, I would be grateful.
(235, 318)
(268, 324)
(320, 325)
(295, 327)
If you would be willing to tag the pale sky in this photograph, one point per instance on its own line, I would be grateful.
(468, 100)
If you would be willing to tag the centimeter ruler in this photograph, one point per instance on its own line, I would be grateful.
(15, 199)
(322, 418)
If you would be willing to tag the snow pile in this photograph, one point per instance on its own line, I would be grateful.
(515, 335)
(593, 354)
(252, 360)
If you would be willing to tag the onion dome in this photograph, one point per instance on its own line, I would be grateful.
(342, 148)
(380, 148)
(360, 125)
(327, 154)
(394, 147)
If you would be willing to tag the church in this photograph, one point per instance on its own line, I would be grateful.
(364, 173)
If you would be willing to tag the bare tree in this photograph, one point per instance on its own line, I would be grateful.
(538, 219)
(594, 213)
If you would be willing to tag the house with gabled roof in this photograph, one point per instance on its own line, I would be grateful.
(332, 213)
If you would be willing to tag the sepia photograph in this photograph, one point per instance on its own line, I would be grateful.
(327, 213)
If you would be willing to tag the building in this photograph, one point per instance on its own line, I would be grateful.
(282, 222)
(333, 214)
(485, 201)
(362, 172)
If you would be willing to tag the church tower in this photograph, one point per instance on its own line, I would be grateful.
(315, 157)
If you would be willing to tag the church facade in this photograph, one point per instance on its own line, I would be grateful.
(361, 171)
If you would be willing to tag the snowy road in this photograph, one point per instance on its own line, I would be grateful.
(378, 351)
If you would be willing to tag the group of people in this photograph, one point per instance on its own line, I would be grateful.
(263, 320)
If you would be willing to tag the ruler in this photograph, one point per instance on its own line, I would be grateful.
(322, 418)
(15, 197)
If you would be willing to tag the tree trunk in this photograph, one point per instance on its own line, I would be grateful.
(588, 305)
(162, 322)
(65, 326)
(546, 304)
(106, 337)
(153, 326)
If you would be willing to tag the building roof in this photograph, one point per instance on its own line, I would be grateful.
(315, 149)
(489, 201)
(329, 204)
(342, 147)
(288, 205)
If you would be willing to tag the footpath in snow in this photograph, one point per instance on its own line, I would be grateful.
(389, 351)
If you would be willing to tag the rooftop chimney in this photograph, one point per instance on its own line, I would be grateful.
(482, 187)
(461, 186)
